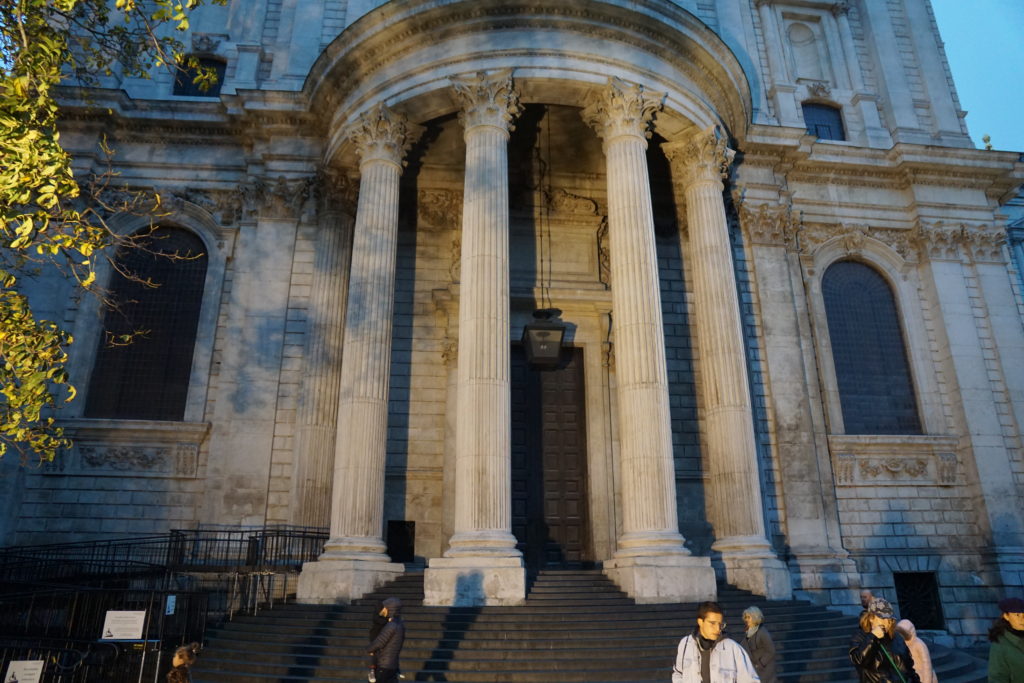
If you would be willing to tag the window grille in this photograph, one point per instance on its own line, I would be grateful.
(875, 386)
(824, 121)
(147, 379)
(918, 596)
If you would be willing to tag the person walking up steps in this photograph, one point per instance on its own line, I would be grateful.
(758, 644)
(387, 646)
(876, 653)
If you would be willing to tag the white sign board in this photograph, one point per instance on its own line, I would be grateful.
(24, 671)
(123, 625)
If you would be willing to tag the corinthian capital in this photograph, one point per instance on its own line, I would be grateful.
(382, 135)
(488, 99)
(703, 157)
(621, 108)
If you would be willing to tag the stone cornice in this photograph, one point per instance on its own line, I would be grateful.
(399, 28)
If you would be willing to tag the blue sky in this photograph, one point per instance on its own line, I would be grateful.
(985, 46)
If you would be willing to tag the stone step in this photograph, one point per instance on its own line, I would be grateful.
(574, 628)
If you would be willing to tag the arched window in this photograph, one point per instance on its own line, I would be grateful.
(875, 386)
(148, 378)
(184, 78)
(824, 120)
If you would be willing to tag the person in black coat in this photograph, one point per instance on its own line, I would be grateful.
(877, 654)
(387, 646)
(758, 644)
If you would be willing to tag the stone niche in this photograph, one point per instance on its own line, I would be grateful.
(139, 448)
(889, 460)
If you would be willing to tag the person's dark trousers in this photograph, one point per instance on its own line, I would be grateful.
(387, 675)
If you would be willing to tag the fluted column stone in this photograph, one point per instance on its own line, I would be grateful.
(482, 564)
(354, 560)
(734, 495)
(650, 563)
(317, 418)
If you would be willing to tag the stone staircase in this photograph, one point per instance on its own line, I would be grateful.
(576, 627)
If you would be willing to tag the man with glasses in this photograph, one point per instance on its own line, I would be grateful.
(707, 656)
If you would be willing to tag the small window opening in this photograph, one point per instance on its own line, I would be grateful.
(918, 596)
(824, 121)
(184, 78)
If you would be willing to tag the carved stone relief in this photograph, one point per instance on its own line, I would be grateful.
(893, 460)
(275, 198)
(440, 209)
(132, 448)
(951, 241)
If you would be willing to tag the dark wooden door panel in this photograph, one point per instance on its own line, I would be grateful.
(549, 463)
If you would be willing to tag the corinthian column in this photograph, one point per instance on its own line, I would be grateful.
(651, 563)
(482, 565)
(735, 490)
(354, 562)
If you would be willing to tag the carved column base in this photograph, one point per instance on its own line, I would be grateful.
(664, 578)
(474, 581)
(328, 581)
(748, 562)
(826, 578)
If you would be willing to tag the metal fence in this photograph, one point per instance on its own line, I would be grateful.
(54, 598)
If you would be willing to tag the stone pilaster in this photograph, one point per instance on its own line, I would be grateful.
(482, 564)
(317, 415)
(651, 563)
(354, 561)
(735, 503)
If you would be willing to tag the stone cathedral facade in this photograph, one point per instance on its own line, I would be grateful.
(793, 321)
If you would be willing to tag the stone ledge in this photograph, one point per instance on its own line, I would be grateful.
(893, 460)
(136, 448)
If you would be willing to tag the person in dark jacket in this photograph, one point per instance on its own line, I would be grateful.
(378, 622)
(878, 655)
(758, 644)
(1006, 654)
(387, 646)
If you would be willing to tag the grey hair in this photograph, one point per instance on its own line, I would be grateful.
(755, 613)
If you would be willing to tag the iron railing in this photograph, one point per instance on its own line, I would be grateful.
(54, 598)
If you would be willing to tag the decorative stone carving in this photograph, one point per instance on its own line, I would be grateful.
(819, 89)
(893, 460)
(705, 156)
(563, 201)
(947, 468)
(277, 198)
(604, 261)
(982, 243)
(225, 206)
(207, 43)
(380, 134)
(450, 353)
(771, 225)
(440, 209)
(487, 99)
(854, 237)
(840, 8)
(336, 190)
(455, 269)
(133, 448)
(621, 108)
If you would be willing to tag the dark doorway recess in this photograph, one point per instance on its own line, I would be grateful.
(549, 463)
(918, 596)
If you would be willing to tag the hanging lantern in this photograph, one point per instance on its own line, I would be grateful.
(542, 338)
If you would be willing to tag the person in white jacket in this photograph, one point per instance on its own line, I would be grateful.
(707, 656)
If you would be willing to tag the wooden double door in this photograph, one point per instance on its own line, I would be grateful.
(549, 463)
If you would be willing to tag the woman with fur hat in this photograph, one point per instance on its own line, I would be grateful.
(184, 657)
(877, 654)
(1006, 655)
